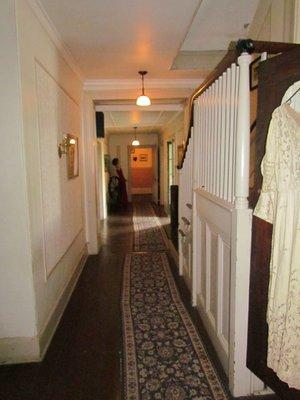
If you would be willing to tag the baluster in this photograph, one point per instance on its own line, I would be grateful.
(198, 146)
(223, 124)
(214, 139)
(200, 119)
(206, 143)
(231, 131)
(192, 171)
(202, 124)
(227, 128)
(195, 138)
(218, 135)
(208, 139)
(235, 131)
(203, 130)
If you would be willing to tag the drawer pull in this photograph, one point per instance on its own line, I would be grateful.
(181, 232)
(186, 221)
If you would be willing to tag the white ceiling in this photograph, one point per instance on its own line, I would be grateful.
(146, 121)
(178, 41)
(116, 38)
(218, 22)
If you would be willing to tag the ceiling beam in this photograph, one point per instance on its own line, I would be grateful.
(125, 84)
(133, 107)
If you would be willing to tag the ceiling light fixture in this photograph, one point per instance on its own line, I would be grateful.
(135, 141)
(143, 100)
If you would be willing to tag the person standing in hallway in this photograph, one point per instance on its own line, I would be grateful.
(117, 171)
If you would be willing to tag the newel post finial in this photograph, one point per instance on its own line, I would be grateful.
(245, 46)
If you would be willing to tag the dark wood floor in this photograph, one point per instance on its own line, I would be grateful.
(83, 360)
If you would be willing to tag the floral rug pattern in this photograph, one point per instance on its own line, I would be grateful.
(149, 235)
(164, 357)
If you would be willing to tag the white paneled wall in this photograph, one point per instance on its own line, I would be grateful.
(61, 200)
(215, 221)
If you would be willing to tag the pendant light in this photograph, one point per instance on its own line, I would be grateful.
(143, 100)
(135, 141)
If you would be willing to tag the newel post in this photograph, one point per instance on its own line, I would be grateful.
(243, 134)
(240, 377)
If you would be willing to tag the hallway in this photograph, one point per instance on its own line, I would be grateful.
(82, 362)
(73, 80)
(84, 359)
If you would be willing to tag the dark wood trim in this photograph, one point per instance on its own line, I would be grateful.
(286, 69)
(273, 47)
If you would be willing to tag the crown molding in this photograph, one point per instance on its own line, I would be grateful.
(48, 25)
(125, 84)
(133, 107)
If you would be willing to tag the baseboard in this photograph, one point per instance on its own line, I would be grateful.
(167, 209)
(187, 279)
(174, 253)
(50, 327)
(141, 190)
(19, 350)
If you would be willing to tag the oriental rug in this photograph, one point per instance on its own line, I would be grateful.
(149, 235)
(164, 357)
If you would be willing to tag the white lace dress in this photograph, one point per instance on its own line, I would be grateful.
(279, 204)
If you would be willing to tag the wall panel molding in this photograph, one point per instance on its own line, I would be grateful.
(58, 115)
(49, 27)
(213, 294)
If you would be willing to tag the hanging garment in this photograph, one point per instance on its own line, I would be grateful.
(279, 204)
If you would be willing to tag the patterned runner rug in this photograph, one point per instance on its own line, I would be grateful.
(149, 235)
(164, 356)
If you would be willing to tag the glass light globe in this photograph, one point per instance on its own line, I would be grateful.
(135, 142)
(143, 101)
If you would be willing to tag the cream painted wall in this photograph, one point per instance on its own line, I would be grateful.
(103, 178)
(297, 22)
(35, 297)
(36, 46)
(91, 174)
(175, 132)
(273, 21)
(17, 311)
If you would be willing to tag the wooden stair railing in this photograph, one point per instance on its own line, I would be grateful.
(234, 50)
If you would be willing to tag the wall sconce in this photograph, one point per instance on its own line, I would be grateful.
(64, 145)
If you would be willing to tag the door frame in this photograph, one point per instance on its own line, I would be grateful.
(154, 168)
(172, 143)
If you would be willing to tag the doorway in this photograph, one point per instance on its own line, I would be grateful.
(170, 151)
(142, 172)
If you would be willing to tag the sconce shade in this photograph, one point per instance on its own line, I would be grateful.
(143, 101)
(135, 141)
